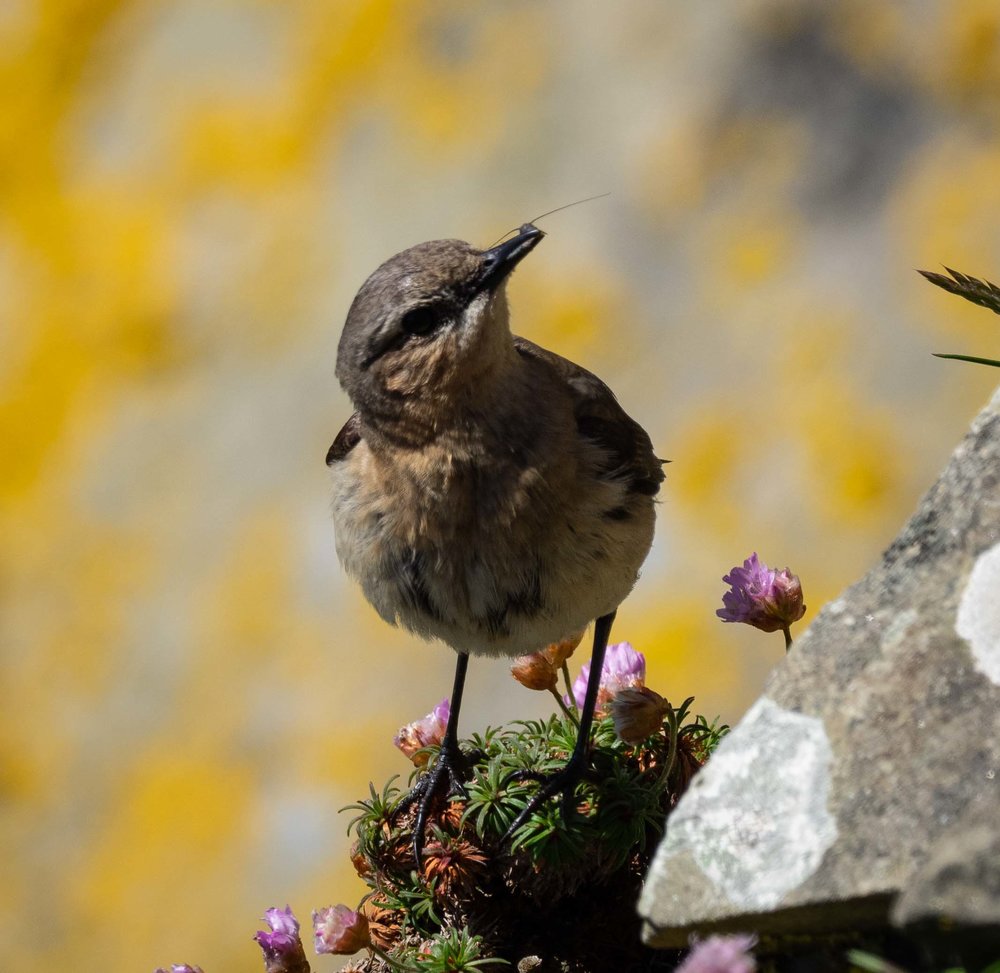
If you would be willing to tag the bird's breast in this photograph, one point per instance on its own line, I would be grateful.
(499, 554)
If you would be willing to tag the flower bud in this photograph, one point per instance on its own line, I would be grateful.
(638, 713)
(535, 671)
(429, 731)
(558, 652)
(282, 946)
(340, 930)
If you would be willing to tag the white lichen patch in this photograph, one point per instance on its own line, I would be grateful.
(755, 819)
(978, 619)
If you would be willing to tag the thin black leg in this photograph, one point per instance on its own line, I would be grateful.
(602, 632)
(565, 780)
(449, 768)
(450, 740)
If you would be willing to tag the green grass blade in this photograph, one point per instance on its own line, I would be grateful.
(971, 358)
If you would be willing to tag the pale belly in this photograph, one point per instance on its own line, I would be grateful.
(504, 572)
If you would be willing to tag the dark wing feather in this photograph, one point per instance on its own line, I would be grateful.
(601, 419)
(346, 440)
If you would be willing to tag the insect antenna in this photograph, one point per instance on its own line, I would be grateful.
(558, 209)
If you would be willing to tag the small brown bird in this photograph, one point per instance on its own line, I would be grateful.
(486, 492)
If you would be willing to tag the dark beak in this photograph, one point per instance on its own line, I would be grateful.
(503, 258)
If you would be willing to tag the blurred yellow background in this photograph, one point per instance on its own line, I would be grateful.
(190, 194)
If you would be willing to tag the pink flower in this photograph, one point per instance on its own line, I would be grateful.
(340, 930)
(284, 926)
(282, 946)
(429, 731)
(179, 968)
(720, 954)
(638, 713)
(623, 668)
(768, 600)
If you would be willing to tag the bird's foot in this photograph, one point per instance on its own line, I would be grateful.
(447, 776)
(562, 782)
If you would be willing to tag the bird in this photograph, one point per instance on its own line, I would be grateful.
(487, 493)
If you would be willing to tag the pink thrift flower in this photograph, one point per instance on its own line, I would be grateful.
(340, 930)
(179, 968)
(282, 946)
(720, 954)
(284, 926)
(767, 599)
(623, 668)
(429, 731)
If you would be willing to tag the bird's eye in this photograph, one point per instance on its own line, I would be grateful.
(421, 320)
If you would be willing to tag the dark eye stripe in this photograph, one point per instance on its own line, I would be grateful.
(422, 319)
(415, 323)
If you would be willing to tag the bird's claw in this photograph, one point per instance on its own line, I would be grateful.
(561, 781)
(451, 768)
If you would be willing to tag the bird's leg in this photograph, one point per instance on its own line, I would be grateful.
(449, 768)
(565, 780)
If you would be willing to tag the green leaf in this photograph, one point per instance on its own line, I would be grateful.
(870, 962)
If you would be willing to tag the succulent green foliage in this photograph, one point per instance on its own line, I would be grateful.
(454, 950)
(981, 292)
(872, 963)
(564, 887)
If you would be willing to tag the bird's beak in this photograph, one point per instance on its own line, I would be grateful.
(499, 261)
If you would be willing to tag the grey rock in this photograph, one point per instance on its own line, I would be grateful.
(960, 880)
(863, 786)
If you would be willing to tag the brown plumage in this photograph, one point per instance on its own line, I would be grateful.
(486, 492)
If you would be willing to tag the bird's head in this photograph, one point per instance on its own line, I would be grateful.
(430, 321)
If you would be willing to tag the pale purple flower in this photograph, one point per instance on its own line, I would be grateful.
(341, 930)
(427, 732)
(623, 668)
(767, 599)
(282, 946)
(284, 927)
(720, 954)
(179, 968)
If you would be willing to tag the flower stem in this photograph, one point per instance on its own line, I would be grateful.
(672, 729)
(571, 713)
(788, 637)
(393, 964)
(569, 683)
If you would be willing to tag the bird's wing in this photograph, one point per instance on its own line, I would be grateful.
(601, 419)
(346, 440)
